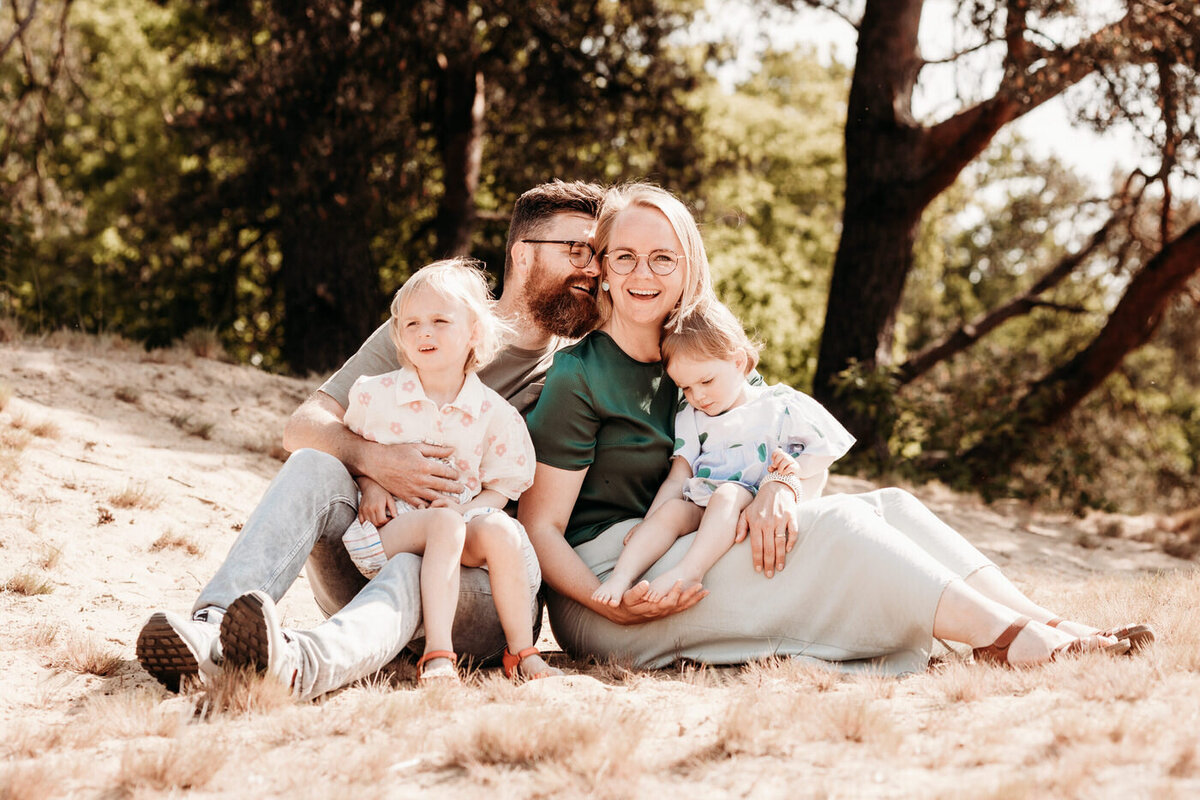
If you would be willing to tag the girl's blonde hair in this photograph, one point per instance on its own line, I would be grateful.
(711, 332)
(697, 285)
(463, 280)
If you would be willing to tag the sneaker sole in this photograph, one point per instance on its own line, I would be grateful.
(244, 637)
(164, 654)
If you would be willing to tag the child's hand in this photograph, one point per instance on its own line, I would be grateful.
(376, 505)
(629, 536)
(782, 462)
(446, 502)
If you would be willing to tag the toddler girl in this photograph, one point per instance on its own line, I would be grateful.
(730, 437)
(444, 329)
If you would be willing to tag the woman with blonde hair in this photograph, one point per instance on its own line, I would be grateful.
(871, 579)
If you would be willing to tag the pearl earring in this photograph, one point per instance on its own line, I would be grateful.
(604, 285)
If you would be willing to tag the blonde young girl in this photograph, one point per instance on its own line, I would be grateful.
(444, 329)
(730, 437)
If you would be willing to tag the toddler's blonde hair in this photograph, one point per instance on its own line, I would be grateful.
(463, 280)
(711, 331)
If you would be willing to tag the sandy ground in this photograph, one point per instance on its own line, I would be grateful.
(108, 450)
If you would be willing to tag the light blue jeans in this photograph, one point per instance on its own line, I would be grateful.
(301, 519)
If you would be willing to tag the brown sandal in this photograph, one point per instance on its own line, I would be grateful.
(997, 651)
(1136, 635)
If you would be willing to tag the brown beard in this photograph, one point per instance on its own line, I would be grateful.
(560, 310)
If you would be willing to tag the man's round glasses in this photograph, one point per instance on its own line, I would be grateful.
(580, 254)
(661, 262)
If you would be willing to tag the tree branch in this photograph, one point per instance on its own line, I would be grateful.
(1130, 326)
(969, 333)
(950, 145)
(22, 24)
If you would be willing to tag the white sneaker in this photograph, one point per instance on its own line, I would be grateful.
(175, 649)
(251, 636)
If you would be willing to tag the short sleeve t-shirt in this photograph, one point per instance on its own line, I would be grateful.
(614, 416)
(491, 445)
(516, 374)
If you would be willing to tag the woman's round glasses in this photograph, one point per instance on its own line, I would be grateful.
(661, 262)
(580, 254)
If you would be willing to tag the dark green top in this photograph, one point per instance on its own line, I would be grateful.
(604, 411)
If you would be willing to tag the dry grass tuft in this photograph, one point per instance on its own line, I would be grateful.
(40, 780)
(48, 554)
(239, 692)
(27, 583)
(128, 394)
(11, 331)
(89, 343)
(591, 743)
(127, 715)
(204, 343)
(179, 766)
(136, 495)
(267, 445)
(176, 541)
(14, 438)
(85, 655)
(192, 426)
(44, 634)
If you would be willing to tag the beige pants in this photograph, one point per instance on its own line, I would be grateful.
(860, 589)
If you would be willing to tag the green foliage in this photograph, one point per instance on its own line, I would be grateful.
(1129, 446)
(772, 199)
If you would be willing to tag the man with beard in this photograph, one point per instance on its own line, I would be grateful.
(550, 283)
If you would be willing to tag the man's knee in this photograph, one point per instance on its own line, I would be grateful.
(317, 465)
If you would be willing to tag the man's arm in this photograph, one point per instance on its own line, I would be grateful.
(408, 471)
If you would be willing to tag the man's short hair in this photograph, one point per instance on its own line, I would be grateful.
(544, 201)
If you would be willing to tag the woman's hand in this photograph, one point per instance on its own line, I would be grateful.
(635, 608)
(377, 506)
(770, 522)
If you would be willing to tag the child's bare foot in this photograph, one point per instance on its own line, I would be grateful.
(661, 586)
(610, 592)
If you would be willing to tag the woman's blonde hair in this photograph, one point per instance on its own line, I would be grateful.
(462, 280)
(697, 284)
(712, 331)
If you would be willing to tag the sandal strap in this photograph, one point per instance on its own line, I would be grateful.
(997, 651)
(1054, 623)
(432, 654)
(513, 661)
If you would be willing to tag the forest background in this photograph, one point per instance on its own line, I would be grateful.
(979, 313)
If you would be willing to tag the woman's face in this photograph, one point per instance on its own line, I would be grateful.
(644, 297)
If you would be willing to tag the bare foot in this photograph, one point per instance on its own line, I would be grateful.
(534, 666)
(661, 586)
(609, 593)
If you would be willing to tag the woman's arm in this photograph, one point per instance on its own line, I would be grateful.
(544, 510)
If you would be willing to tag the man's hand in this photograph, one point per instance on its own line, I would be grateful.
(770, 522)
(412, 472)
(635, 608)
(376, 505)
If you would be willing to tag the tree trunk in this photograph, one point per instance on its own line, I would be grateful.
(331, 288)
(882, 210)
(1130, 326)
(459, 125)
